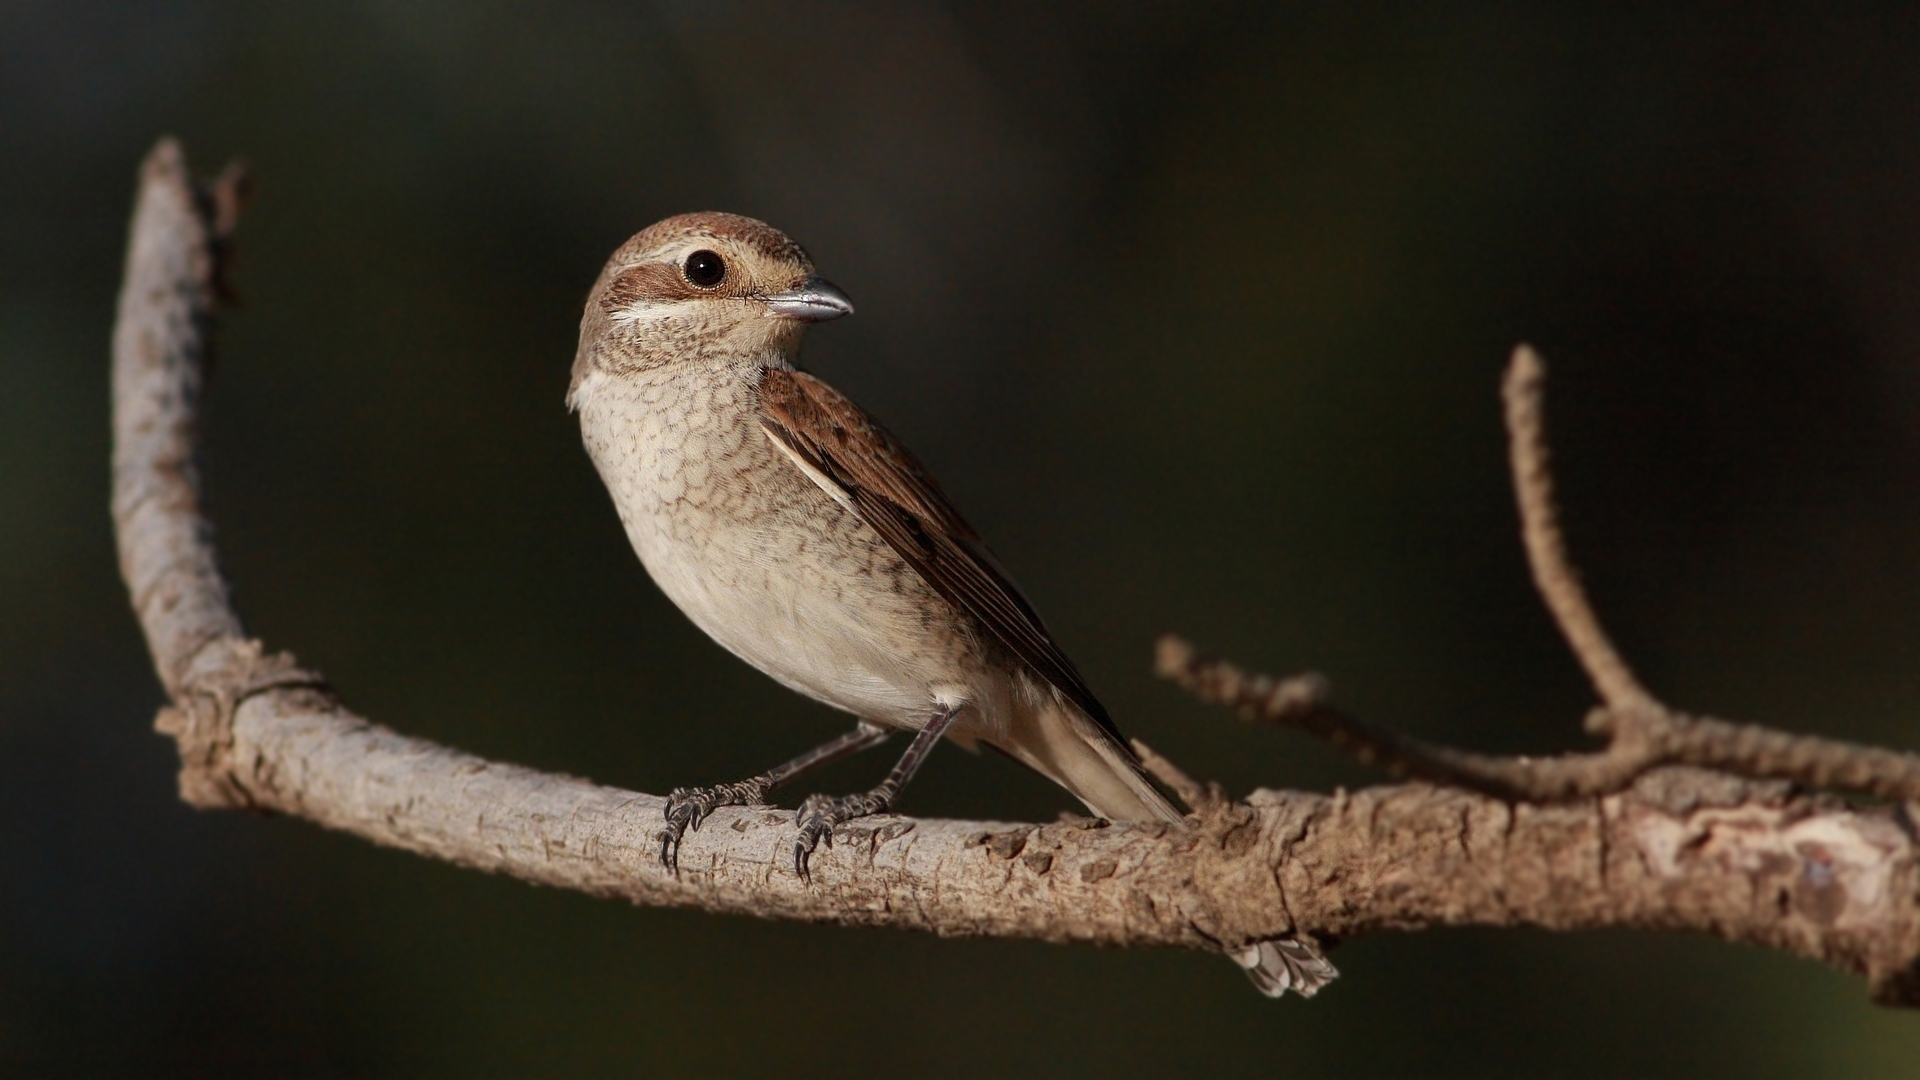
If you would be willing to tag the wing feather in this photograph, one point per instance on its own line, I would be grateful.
(830, 437)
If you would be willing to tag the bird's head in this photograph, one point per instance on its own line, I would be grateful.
(703, 288)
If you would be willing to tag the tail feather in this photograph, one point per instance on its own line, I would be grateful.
(1065, 746)
(1060, 743)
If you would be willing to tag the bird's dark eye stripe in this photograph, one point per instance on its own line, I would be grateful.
(704, 269)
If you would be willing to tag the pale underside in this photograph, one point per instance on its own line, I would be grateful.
(773, 563)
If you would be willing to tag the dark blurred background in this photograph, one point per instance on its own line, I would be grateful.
(1198, 309)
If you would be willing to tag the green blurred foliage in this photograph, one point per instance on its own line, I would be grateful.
(1197, 309)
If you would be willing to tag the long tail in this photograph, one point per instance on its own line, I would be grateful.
(1061, 743)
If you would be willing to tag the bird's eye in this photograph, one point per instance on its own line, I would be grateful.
(704, 269)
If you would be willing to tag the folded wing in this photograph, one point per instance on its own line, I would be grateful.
(867, 469)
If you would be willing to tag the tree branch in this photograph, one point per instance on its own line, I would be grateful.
(1677, 849)
(1644, 732)
(1553, 572)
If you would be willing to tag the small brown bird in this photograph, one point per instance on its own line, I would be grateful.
(802, 536)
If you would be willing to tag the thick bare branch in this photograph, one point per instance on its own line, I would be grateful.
(1679, 850)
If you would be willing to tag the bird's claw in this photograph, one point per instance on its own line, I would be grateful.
(819, 814)
(687, 807)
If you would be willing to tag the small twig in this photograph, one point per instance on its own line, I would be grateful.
(1643, 729)
(1553, 572)
(1653, 739)
(1643, 732)
(1752, 750)
(1300, 703)
(1197, 796)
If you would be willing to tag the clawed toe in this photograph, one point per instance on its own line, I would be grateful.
(818, 815)
(687, 807)
(815, 822)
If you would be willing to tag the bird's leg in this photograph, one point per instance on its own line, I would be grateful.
(820, 813)
(687, 807)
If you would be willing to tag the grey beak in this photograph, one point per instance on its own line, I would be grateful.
(815, 301)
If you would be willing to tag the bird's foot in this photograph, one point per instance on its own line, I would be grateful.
(820, 813)
(687, 807)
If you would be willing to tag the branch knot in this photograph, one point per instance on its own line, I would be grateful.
(221, 678)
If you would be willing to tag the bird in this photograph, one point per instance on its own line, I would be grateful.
(802, 536)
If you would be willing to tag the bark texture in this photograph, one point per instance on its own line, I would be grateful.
(1676, 849)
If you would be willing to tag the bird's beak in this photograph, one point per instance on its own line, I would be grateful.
(817, 300)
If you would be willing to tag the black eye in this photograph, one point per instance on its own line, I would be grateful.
(705, 269)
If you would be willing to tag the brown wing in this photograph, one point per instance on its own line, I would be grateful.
(883, 483)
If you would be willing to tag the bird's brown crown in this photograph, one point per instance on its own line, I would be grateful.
(752, 257)
(758, 236)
